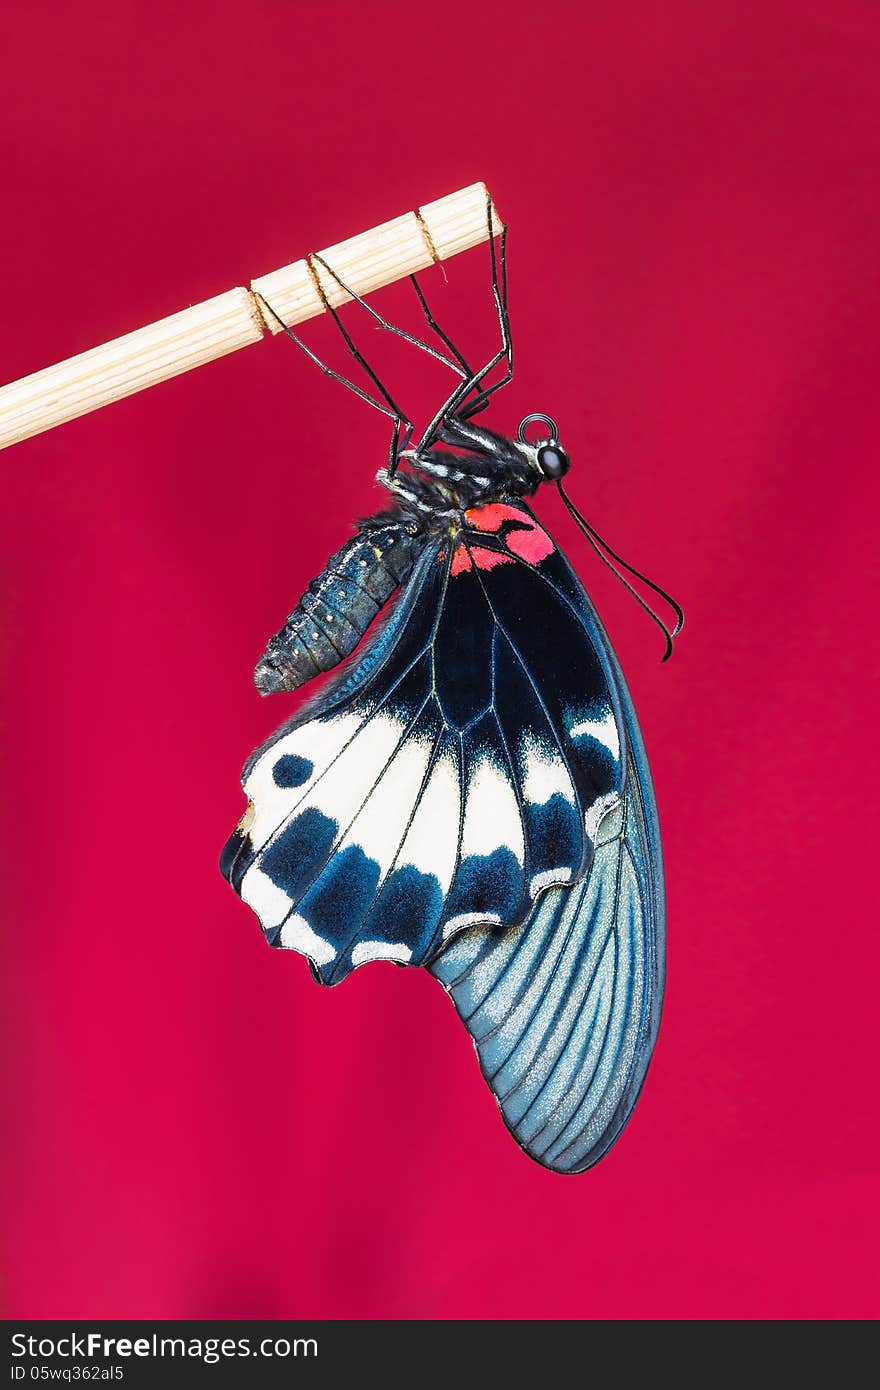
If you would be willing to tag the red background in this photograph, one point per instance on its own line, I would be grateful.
(195, 1128)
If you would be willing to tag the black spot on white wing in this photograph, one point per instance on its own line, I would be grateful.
(291, 770)
(320, 743)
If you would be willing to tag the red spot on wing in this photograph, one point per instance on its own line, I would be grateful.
(488, 559)
(491, 517)
(476, 556)
(527, 540)
(532, 545)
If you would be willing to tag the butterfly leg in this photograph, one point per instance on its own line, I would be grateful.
(384, 323)
(401, 420)
(499, 293)
(436, 328)
(390, 410)
(453, 404)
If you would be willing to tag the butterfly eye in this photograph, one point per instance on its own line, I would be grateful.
(553, 462)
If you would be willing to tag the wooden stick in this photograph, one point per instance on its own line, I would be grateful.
(234, 319)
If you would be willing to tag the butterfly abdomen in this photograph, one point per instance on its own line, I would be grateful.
(339, 605)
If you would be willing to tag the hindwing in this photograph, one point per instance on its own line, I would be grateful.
(564, 1009)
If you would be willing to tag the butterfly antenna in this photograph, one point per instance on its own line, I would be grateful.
(603, 550)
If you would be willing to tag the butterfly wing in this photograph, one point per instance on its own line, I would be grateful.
(459, 770)
(564, 1009)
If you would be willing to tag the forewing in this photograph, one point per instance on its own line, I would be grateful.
(459, 770)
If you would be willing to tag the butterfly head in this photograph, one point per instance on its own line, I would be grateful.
(546, 456)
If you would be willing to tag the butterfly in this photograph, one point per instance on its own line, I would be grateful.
(469, 791)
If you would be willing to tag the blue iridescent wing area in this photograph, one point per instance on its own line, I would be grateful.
(564, 1010)
(456, 772)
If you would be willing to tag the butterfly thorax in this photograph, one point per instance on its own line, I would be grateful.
(437, 487)
(433, 493)
(446, 486)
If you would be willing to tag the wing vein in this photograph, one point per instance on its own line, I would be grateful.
(612, 930)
